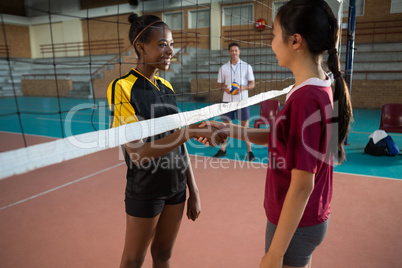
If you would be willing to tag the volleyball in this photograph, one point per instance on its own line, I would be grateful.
(235, 87)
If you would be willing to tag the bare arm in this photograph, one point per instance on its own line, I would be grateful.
(224, 87)
(253, 135)
(250, 86)
(144, 152)
(194, 201)
(301, 187)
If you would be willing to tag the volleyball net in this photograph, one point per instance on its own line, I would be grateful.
(56, 66)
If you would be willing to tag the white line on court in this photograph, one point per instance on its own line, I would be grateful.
(61, 186)
(37, 135)
(73, 121)
(368, 133)
(370, 176)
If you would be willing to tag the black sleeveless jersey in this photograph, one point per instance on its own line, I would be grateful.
(132, 98)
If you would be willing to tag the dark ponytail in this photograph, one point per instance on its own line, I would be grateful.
(316, 23)
(138, 24)
(341, 97)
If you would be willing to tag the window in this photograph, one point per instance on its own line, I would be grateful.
(174, 20)
(332, 3)
(236, 15)
(199, 18)
(396, 6)
(335, 5)
(359, 8)
(275, 6)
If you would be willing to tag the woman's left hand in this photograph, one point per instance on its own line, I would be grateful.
(268, 262)
(193, 206)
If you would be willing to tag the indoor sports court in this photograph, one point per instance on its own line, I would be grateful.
(63, 178)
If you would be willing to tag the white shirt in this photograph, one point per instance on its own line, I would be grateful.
(240, 73)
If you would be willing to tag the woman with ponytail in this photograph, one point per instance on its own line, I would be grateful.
(158, 168)
(308, 133)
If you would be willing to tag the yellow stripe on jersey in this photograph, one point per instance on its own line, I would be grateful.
(147, 79)
(165, 82)
(123, 110)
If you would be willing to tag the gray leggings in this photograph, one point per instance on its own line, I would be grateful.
(302, 245)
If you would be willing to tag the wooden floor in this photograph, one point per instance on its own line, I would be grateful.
(72, 215)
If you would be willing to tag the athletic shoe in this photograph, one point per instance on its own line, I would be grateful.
(220, 153)
(249, 156)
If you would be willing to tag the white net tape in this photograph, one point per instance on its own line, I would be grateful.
(37, 156)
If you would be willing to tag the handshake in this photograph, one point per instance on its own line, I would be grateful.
(209, 133)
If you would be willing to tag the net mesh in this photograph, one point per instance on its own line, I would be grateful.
(58, 88)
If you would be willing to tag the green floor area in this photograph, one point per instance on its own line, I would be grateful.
(40, 116)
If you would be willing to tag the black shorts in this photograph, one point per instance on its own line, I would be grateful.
(153, 207)
(242, 114)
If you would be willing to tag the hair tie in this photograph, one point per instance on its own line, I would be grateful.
(143, 30)
(337, 74)
(332, 51)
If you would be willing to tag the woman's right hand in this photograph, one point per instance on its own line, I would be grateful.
(223, 128)
(226, 89)
(210, 134)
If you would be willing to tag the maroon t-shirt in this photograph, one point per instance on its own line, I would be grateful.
(300, 139)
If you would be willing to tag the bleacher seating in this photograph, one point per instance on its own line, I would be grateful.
(78, 68)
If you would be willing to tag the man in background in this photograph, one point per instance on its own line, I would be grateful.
(240, 72)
